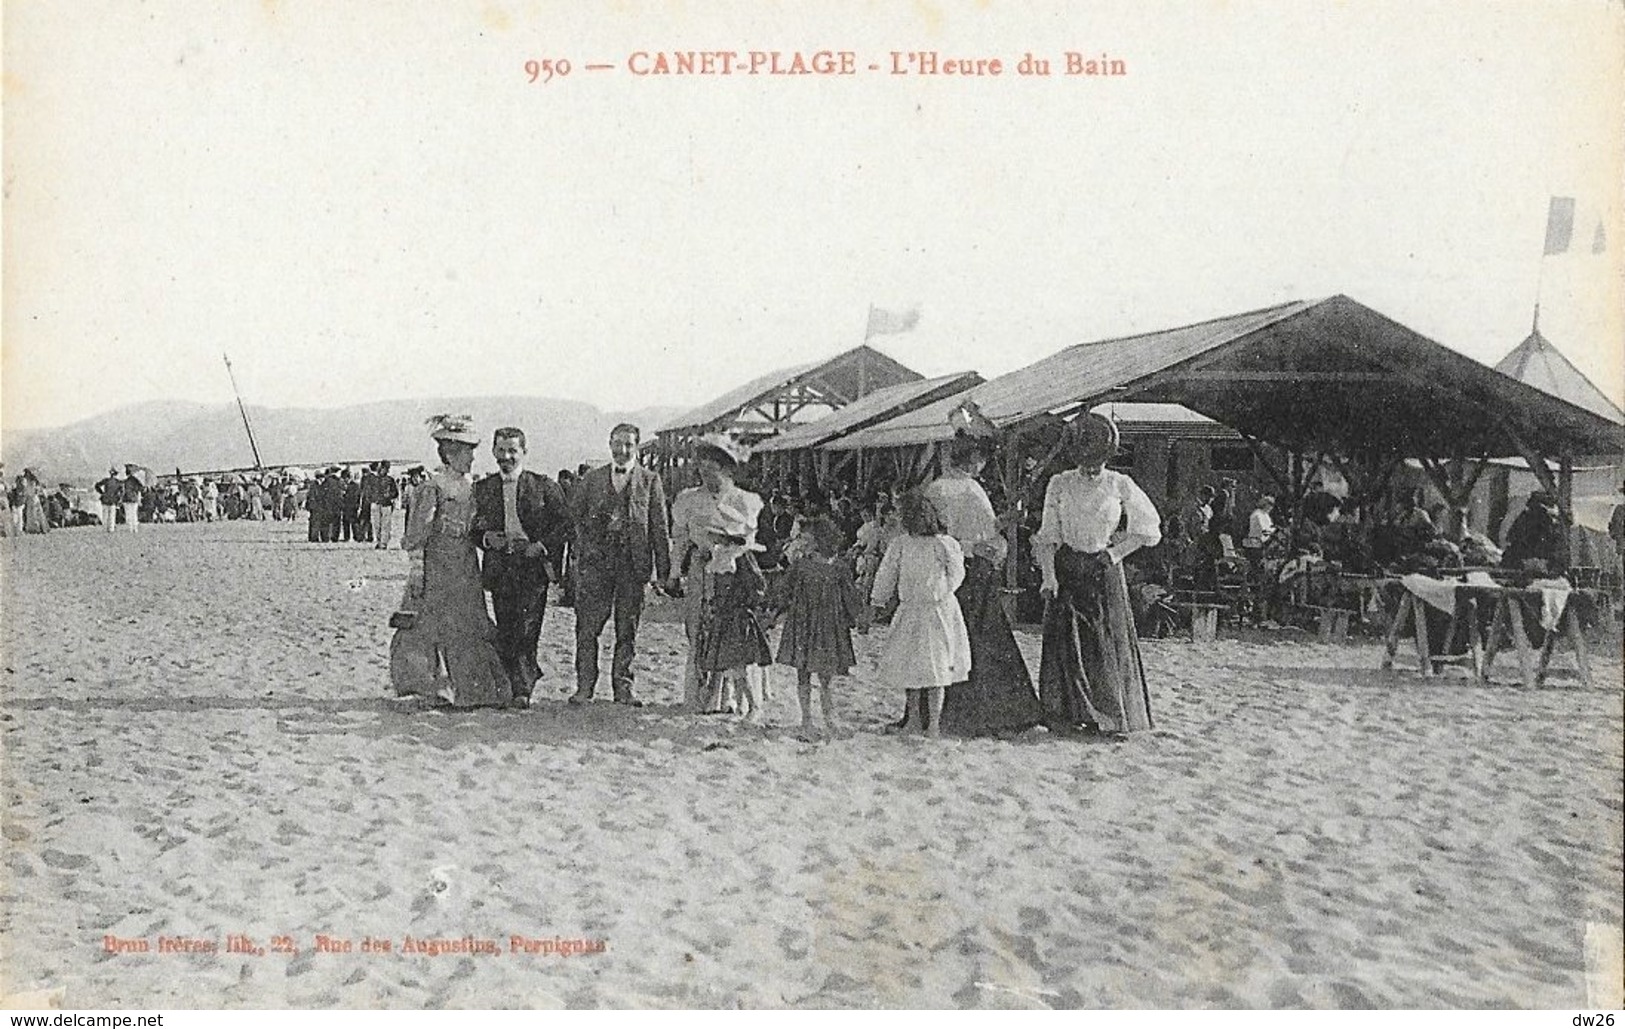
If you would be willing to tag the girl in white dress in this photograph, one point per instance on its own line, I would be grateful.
(928, 648)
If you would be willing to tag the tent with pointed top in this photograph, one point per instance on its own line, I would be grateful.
(1536, 362)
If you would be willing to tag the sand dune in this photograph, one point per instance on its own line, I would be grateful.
(198, 745)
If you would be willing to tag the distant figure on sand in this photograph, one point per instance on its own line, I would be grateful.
(5, 503)
(619, 513)
(1090, 676)
(445, 645)
(520, 522)
(130, 497)
(385, 493)
(110, 492)
(33, 503)
(928, 648)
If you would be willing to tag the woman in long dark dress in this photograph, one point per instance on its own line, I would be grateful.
(998, 696)
(1090, 676)
(446, 649)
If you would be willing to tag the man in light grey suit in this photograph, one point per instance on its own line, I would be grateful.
(619, 513)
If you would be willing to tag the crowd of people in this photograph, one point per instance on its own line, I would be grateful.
(1277, 559)
(931, 560)
(928, 561)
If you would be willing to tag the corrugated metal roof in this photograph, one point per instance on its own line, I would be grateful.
(877, 405)
(1536, 362)
(1078, 373)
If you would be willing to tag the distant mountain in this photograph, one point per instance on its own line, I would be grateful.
(165, 435)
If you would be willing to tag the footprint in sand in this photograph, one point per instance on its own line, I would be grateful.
(62, 859)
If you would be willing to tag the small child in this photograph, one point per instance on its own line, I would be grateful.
(731, 649)
(928, 648)
(822, 607)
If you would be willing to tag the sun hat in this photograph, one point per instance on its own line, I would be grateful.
(721, 444)
(454, 428)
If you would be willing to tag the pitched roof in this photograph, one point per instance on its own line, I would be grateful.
(1065, 379)
(1329, 374)
(1536, 362)
(881, 404)
(854, 373)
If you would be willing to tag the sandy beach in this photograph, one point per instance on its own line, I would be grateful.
(199, 747)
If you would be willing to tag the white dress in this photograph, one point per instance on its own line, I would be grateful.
(928, 645)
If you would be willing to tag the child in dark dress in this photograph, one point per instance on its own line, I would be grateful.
(821, 606)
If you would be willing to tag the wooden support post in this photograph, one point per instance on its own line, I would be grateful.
(1475, 642)
(1576, 636)
(1423, 658)
(1395, 629)
(1498, 631)
(1520, 640)
(1009, 454)
(1532, 457)
(1283, 481)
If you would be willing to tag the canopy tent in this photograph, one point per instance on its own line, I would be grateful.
(1326, 380)
(1330, 375)
(1536, 362)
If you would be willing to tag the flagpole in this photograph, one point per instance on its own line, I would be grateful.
(869, 323)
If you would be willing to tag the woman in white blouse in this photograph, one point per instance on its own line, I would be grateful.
(1090, 675)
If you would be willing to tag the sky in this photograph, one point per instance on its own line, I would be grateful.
(360, 201)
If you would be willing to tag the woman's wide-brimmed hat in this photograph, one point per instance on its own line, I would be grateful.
(1091, 439)
(454, 428)
(715, 444)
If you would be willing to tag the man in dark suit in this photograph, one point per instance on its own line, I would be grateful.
(521, 523)
(364, 501)
(619, 512)
(349, 504)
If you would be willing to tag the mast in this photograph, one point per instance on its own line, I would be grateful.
(252, 445)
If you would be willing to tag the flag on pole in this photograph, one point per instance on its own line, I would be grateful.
(890, 323)
(1559, 225)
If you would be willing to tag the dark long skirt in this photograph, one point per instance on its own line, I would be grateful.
(1091, 672)
(731, 634)
(998, 696)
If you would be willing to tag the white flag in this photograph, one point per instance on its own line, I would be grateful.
(889, 323)
(1559, 225)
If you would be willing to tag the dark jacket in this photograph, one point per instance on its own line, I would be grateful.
(606, 522)
(542, 513)
(1536, 534)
